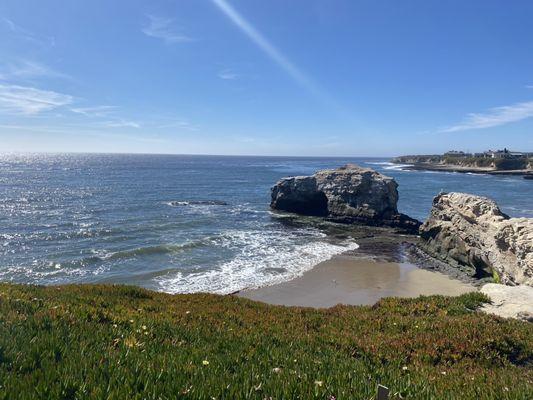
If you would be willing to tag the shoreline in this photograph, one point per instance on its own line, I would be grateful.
(385, 264)
(465, 170)
(357, 280)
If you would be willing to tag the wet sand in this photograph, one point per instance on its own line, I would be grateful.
(346, 279)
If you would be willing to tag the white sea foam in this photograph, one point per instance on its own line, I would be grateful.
(389, 165)
(263, 258)
(176, 203)
(379, 163)
(399, 167)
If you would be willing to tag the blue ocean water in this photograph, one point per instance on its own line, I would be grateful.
(184, 223)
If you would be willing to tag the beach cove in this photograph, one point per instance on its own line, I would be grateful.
(347, 279)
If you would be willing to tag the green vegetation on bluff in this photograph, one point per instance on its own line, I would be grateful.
(119, 342)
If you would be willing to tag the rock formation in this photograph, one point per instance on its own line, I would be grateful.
(509, 301)
(472, 232)
(349, 194)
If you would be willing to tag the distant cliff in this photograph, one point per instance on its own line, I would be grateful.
(440, 161)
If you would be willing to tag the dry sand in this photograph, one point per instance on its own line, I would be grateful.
(349, 280)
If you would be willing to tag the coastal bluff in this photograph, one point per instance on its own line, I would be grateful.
(349, 194)
(471, 232)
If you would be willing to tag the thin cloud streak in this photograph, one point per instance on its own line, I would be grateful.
(29, 100)
(277, 56)
(161, 28)
(227, 74)
(96, 111)
(29, 69)
(122, 124)
(494, 117)
(26, 34)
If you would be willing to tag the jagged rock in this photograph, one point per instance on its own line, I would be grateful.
(349, 194)
(509, 301)
(472, 232)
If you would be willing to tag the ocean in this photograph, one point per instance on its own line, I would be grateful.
(183, 224)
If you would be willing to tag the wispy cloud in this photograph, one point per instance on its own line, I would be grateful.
(227, 74)
(28, 69)
(494, 117)
(29, 100)
(273, 53)
(178, 124)
(121, 124)
(529, 86)
(96, 111)
(27, 34)
(163, 28)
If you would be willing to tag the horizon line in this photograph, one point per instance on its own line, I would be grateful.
(14, 152)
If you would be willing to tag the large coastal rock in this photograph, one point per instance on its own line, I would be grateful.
(472, 232)
(509, 301)
(349, 194)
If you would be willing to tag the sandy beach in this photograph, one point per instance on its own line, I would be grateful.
(346, 279)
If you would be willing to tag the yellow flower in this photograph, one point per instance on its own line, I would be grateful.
(144, 327)
(132, 342)
(205, 362)
(319, 383)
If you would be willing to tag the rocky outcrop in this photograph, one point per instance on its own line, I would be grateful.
(349, 194)
(509, 301)
(471, 232)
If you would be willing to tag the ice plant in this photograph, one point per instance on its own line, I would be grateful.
(354, 347)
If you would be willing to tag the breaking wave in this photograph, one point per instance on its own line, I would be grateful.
(261, 258)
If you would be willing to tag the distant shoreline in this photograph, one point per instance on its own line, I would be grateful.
(501, 162)
(460, 169)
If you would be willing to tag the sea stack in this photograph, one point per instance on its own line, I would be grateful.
(472, 233)
(349, 194)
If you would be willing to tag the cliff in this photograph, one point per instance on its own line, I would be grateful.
(471, 231)
(481, 163)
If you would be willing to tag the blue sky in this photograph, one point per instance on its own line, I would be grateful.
(305, 77)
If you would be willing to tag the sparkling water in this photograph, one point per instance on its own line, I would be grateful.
(185, 223)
